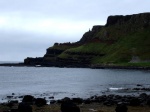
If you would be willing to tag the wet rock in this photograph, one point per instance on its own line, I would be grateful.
(143, 97)
(9, 97)
(92, 97)
(135, 102)
(14, 101)
(24, 107)
(59, 101)
(28, 99)
(66, 99)
(52, 101)
(77, 100)
(138, 85)
(20, 97)
(102, 98)
(52, 97)
(40, 102)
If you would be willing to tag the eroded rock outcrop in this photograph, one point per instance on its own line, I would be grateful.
(88, 36)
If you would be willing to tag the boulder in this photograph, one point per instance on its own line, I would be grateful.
(52, 101)
(24, 107)
(52, 97)
(12, 103)
(143, 95)
(87, 101)
(148, 101)
(77, 100)
(135, 102)
(121, 108)
(69, 106)
(40, 102)
(28, 99)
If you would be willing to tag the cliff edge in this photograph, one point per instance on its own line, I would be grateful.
(124, 40)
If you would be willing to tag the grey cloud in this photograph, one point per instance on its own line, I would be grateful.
(74, 9)
(18, 41)
(15, 46)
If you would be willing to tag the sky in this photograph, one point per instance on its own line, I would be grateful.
(29, 27)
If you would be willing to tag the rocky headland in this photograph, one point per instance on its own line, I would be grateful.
(123, 42)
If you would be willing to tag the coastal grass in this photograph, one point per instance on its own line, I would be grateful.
(93, 107)
(126, 45)
(120, 52)
(89, 48)
(62, 46)
(138, 64)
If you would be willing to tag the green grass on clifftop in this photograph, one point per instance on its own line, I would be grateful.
(121, 51)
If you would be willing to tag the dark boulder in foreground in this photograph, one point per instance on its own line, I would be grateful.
(121, 108)
(24, 107)
(135, 102)
(68, 106)
(77, 100)
(28, 99)
(40, 102)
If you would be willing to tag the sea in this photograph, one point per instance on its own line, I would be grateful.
(45, 82)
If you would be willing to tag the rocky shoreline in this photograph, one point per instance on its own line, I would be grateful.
(78, 66)
(105, 100)
(12, 64)
(108, 100)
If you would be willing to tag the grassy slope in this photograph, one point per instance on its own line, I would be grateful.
(52, 57)
(61, 47)
(126, 45)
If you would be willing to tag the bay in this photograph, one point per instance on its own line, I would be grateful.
(70, 82)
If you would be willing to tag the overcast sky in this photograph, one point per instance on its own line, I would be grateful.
(29, 27)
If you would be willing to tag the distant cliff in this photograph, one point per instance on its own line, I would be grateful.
(124, 40)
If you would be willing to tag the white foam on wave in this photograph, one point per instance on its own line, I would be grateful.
(115, 89)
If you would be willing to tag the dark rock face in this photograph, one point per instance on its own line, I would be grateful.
(24, 107)
(90, 34)
(33, 61)
(113, 20)
(53, 52)
(139, 19)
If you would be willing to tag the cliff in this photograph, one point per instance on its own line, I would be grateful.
(123, 40)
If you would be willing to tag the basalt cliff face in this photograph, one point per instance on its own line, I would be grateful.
(124, 39)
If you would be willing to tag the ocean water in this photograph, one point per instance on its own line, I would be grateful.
(70, 82)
